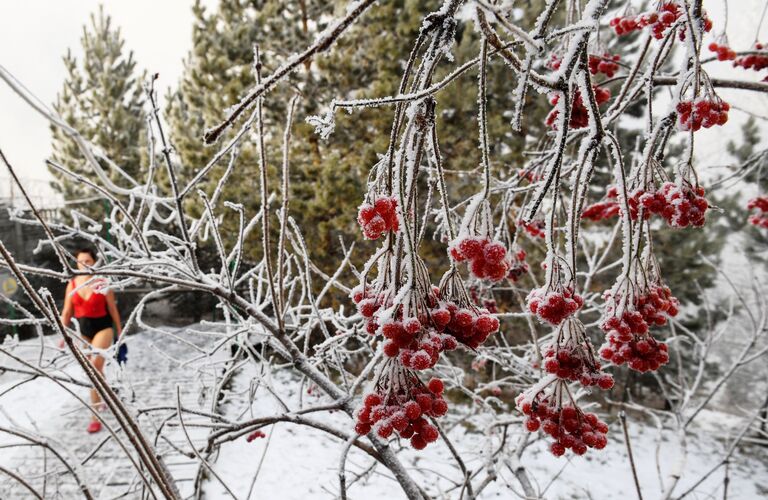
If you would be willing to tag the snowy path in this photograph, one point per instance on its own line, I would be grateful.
(149, 380)
(302, 463)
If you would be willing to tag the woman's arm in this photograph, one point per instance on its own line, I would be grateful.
(112, 308)
(67, 310)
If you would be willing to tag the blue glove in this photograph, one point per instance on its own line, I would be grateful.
(122, 353)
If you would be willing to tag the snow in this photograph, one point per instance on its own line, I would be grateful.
(300, 462)
(303, 463)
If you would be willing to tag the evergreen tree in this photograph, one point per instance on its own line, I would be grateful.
(102, 99)
(219, 71)
(748, 152)
(327, 176)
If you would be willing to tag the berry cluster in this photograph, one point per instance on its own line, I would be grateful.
(415, 348)
(579, 114)
(724, 52)
(760, 205)
(487, 259)
(403, 411)
(518, 266)
(659, 21)
(679, 207)
(378, 218)
(535, 228)
(702, 112)
(368, 304)
(682, 206)
(610, 207)
(418, 342)
(529, 175)
(554, 62)
(605, 64)
(553, 305)
(755, 62)
(471, 327)
(568, 425)
(656, 304)
(601, 210)
(570, 357)
(628, 341)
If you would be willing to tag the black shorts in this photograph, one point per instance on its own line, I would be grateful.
(89, 327)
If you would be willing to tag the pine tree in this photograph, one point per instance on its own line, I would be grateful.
(102, 99)
(748, 152)
(327, 176)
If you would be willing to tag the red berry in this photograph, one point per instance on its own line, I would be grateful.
(391, 349)
(557, 449)
(439, 407)
(436, 386)
(418, 442)
(429, 433)
(362, 428)
(372, 400)
(412, 410)
(412, 326)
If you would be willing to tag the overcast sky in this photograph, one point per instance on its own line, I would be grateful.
(34, 34)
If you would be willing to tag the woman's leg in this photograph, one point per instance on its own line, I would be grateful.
(102, 340)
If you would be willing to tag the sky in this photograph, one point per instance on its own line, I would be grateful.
(35, 34)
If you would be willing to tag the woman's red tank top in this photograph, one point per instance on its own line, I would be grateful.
(94, 307)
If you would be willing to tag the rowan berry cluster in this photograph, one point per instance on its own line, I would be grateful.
(656, 304)
(570, 357)
(487, 259)
(605, 64)
(568, 425)
(682, 206)
(471, 327)
(534, 228)
(702, 112)
(554, 62)
(659, 21)
(641, 353)
(579, 114)
(518, 266)
(378, 218)
(628, 340)
(754, 62)
(416, 347)
(401, 408)
(760, 217)
(609, 207)
(724, 53)
(554, 304)
(601, 210)
(368, 305)
(679, 207)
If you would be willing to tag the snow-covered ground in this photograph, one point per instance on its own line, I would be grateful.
(302, 463)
